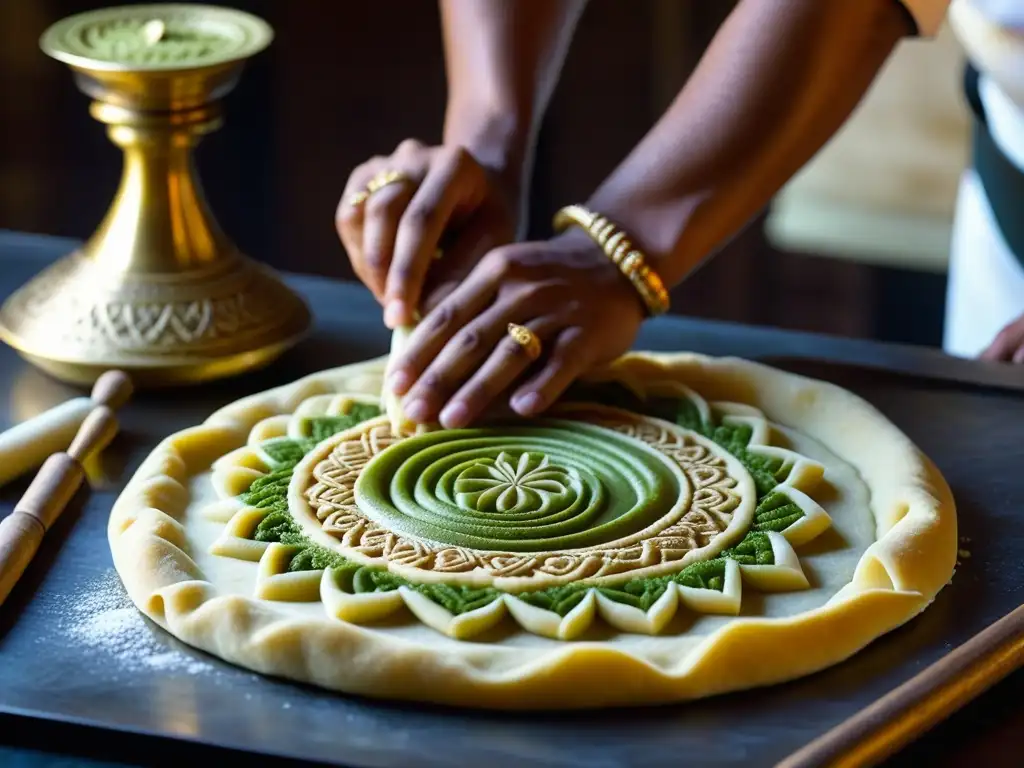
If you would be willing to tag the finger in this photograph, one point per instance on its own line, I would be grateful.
(348, 218)
(996, 351)
(470, 347)
(1005, 343)
(506, 364)
(1018, 355)
(409, 147)
(437, 328)
(569, 358)
(382, 212)
(451, 184)
(459, 259)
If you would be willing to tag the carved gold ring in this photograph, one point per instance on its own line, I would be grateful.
(526, 339)
(377, 183)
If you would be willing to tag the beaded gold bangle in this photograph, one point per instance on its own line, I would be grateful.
(617, 247)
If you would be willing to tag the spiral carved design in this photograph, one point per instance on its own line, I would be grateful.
(554, 499)
(520, 488)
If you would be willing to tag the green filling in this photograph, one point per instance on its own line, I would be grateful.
(271, 490)
(323, 427)
(560, 485)
(131, 40)
(766, 472)
(774, 512)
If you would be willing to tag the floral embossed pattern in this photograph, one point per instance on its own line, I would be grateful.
(521, 485)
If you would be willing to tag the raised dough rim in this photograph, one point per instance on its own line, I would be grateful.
(898, 576)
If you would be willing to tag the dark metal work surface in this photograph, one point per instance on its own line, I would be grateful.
(75, 658)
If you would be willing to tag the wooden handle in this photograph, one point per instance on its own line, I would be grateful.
(893, 721)
(51, 489)
(95, 434)
(20, 535)
(26, 445)
(23, 530)
(112, 389)
(54, 485)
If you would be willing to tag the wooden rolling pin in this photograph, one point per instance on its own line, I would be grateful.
(26, 445)
(883, 728)
(54, 485)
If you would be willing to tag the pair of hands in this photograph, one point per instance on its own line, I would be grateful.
(460, 361)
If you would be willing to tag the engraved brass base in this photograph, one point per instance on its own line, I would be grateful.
(159, 290)
(75, 320)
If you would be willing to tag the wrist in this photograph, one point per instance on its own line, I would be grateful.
(501, 140)
(617, 245)
(606, 276)
(657, 227)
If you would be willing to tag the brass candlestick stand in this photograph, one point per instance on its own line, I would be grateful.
(159, 290)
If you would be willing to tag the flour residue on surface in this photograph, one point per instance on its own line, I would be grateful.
(103, 618)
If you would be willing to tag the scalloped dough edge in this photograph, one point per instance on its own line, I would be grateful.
(234, 472)
(897, 577)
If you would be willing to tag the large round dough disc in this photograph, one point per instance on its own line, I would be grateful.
(677, 527)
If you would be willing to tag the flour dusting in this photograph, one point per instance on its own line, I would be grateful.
(102, 617)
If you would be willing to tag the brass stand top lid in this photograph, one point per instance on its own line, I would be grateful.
(156, 37)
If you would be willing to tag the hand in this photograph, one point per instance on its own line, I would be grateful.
(1008, 345)
(392, 236)
(460, 358)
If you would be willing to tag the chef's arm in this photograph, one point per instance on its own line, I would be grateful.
(778, 80)
(503, 59)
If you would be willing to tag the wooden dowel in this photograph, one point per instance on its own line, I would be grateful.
(20, 537)
(26, 445)
(881, 729)
(53, 487)
(112, 389)
(95, 434)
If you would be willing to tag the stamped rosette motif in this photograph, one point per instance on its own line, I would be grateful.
(613, 508)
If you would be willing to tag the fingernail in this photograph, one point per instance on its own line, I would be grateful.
(454, 416)
(526, 404)
(417, 411)
(399, 382)
(395, 313)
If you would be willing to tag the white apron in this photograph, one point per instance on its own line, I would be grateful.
(986, 279)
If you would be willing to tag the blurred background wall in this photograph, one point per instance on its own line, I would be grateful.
(347, 80)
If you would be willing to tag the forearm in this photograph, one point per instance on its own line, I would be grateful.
(503, 59)
(777, 82)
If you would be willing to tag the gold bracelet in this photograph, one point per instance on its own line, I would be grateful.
(617, 247)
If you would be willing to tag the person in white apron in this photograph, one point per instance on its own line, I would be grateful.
(985, 297)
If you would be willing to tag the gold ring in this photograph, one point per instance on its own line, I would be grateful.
(375, 184)
(526, 339)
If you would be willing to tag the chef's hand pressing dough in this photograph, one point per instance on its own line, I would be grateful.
(415, 223)
(462, 357)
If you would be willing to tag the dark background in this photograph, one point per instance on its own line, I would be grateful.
(347, 80)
